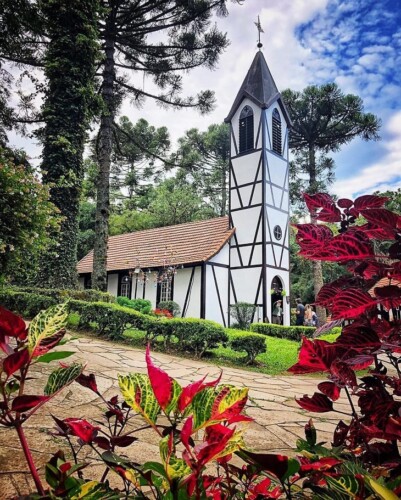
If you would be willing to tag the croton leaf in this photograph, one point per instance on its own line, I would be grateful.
(369, 201)
(82, 429)
(318, 403)
(278, 465)
(186, 431)
(15, 361)
(52, 356)
(351, 303)
(138, 393)
(162, 383)
(46, 325)
(27, 402)
(47, 343)
(323, 464)
(61, 377)
(191, 390)
(330, 389)
(383, 492)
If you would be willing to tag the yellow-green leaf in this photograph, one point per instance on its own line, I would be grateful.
(176, 392)
(46, 323)
(383, 492)
(61, 377)
(93, 490)
(138, 393)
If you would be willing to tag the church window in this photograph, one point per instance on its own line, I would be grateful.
(246, 129)
(125, 287)
(278, 233)
(276, 131)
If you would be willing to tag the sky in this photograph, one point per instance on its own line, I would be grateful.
(355, 43)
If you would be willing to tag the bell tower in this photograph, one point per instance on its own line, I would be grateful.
(259, 194)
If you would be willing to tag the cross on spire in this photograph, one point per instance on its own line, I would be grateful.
(260, 30)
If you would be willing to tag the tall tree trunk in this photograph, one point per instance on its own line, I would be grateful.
(105, 146)
(316, 264)
(70, 70)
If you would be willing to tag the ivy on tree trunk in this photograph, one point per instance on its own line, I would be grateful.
(69, 99)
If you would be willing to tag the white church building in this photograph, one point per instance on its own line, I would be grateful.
(206, 266)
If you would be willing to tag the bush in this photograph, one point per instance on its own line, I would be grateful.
(171, 306)
(61, 295)
(243, 313)
(142, 305)
(283, 332)
(252, 343)
(24, 303)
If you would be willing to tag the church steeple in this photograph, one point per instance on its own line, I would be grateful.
(258, 86)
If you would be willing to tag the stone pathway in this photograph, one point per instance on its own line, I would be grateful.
(278, 420)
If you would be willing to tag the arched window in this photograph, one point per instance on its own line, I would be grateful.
(246, 129)
(276, 131)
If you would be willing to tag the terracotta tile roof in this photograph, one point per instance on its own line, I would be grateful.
(384, 282)
(181, 244)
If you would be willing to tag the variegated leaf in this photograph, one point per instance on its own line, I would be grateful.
(345, 484)
(46, 324)
(235, 443)
(138, 393)
(93, 490)
(202, 405)
(62, 377)
(175, 394)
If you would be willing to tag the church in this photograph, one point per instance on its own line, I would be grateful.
(206, 266)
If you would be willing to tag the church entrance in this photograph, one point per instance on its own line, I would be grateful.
(277, 301)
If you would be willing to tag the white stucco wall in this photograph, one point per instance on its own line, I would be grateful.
(181, 283)
(112, 284)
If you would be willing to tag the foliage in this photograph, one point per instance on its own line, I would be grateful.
(243, 313)
(162, 313)
(281, 331)
(171, 306)
(70, 101)
(142, 305)
(26, 215)
(203, 158)
(86, 228)
(251, 344)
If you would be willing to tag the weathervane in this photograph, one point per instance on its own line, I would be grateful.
(260, 30)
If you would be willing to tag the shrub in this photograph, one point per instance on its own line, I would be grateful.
(243, 314)
(252, 344)
(24, 303)
(171, 306)
(62, 295)
(283, 332)
(142, 305)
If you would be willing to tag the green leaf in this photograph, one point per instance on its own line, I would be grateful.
(138, 393)
(155, 467)
(202, 405)
(47, 323)
(344, 484)
(93, 490)
(176, 392)
(293, 468)
(61, 378)
(51, 356)
(383, 492)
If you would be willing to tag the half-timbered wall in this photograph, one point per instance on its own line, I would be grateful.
(187, 291)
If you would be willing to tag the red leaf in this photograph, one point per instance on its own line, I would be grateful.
(369, 201)
(216, 439)
(352, 303)
(382, 218)
(389, 296)
(393, 427)
(311, 237)
(190, 391)
(340, 433)
(25, 403)
(395, 250)
(11, 325)
(318, 403)
(276, 464)
(82, 429)
(345, 203)
(349, 246)
(326, 295)
(315, 356)
(162, 384)
(123, 441)
(90, 382)
(322, 464)
(15, 361)
(343, 374)
(359, 337)
(187, 431)
(330, 389)
(48, 343)
(65, 467)
(102, 442)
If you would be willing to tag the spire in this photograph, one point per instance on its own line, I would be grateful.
(258, 86)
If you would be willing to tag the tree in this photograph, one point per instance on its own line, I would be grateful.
(26, 216)
(324, 119)
(204, 157)
(156, 39)
(69, 97)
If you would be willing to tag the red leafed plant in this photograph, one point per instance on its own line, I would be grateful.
(165, 313)
(368, 303)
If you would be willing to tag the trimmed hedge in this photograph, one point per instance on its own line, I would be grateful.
(283, 332)
(62, 295)
(251, 343)
(24, 303)
(143, 306)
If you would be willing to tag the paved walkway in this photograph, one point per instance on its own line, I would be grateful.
(279, 421)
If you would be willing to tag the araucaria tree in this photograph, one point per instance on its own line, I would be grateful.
(156, 39)
(324, 119)
(70, 65)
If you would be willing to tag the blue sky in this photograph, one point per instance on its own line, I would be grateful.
(356, 43)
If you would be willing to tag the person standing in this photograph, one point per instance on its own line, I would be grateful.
(277, 313)
(308, 315)
(300, 313)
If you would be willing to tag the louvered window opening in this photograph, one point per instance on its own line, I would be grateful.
(246, 129)
(276, 132)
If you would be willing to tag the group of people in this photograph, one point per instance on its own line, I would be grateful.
(305, 315)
